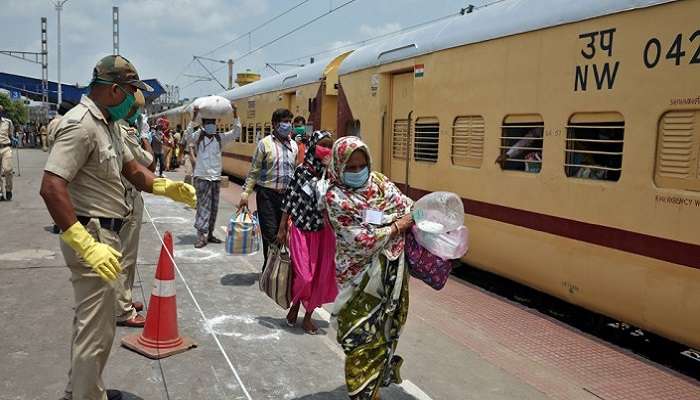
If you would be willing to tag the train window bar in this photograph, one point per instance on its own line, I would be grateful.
(244, 132)
(251, 133)
(399, 139)
(521, 144)
(594, 150)
(427, 140)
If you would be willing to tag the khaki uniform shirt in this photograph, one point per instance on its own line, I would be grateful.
(89, 153)
(6, 130)
(140, 155)
(51, 130)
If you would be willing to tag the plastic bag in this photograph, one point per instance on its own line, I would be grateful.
(448, 245)
(243, 234)
(438, 212)
(211, 107)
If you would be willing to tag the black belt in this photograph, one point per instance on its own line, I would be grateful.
(112, 224)
(2, 146)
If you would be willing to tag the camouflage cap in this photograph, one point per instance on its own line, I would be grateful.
(118, 69)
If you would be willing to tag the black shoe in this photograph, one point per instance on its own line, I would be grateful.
(8, 196)
(56, 230)
(114, 394)
(2, 198)
(214, 239)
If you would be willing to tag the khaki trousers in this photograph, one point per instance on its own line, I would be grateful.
(130, 234)
(6, 168)
(93, 324)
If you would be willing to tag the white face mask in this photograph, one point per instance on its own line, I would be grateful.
(210, 129)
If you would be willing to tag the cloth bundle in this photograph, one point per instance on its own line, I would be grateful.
(211, 107)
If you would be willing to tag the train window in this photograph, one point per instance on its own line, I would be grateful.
(251, 133)
(244, 132)
(258, 133)
(594, 143)
(425, 146)
(521, 143)
(678, 151)
(268, 129)
(468, 141)
(399, 139)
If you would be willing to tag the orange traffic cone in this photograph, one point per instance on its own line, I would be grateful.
(160, 337)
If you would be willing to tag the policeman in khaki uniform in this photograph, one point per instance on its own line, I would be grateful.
(126, 309)
(6, 132)
(84, 193)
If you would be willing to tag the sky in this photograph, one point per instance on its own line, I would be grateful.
(160, 36)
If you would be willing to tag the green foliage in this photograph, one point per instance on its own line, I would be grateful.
(16, 110)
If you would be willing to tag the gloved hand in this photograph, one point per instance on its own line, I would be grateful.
(178, 191)
(102, 258)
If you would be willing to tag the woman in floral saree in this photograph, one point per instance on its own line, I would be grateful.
(369, 215)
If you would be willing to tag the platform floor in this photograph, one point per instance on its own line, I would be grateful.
(459, 343)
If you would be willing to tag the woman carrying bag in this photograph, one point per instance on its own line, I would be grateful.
(310, 237)
(369, 215)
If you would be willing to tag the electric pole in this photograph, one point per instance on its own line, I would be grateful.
(59, 7)
(115, 31)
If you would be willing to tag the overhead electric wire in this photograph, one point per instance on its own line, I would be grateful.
(373, 38)
(389, 34)
(304, 25)
(262, 25)
(241, 36)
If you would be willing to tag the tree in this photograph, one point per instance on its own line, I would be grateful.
(16, 111)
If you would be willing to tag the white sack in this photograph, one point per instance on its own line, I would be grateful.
(211, 107)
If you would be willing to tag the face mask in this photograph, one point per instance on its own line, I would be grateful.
(121, 110)
(134, 119)
(300, 132)
(322, 153)
(210, 129)
(356, 179)
(283, 130)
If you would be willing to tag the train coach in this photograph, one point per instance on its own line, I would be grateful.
(571, 130)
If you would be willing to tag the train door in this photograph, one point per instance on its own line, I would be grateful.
(294, 103)
(401, 106)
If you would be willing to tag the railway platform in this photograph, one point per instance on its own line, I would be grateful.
(459, 343)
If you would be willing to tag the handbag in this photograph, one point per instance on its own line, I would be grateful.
(243, 234)
(276, 279)
(423, 265)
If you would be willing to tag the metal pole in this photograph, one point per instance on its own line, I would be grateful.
(59, 7)
(115, 30)
(230, 73)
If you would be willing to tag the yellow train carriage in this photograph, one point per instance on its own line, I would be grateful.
(309, 91)
(592, 111)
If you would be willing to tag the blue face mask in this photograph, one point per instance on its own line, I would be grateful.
(210, 129)
(283, 130)
(356, 179)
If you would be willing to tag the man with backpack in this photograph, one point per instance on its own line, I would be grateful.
(207, 146)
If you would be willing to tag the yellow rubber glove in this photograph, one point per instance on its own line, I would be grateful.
(178, 191)
(102, 258)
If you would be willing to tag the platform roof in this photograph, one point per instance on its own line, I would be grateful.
(31, 88)
(498, 20)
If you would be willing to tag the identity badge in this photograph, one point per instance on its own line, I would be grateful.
(374, 217)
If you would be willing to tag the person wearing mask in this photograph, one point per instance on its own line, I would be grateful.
(300, 137)
(84, 193)
(311, 238)
(157, 146)
(270, 172)
(369, 215)
(7, 130)
(127, 310)
(208, 146)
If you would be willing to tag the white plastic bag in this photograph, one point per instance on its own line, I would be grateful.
(439, 227)
(438, 212)
(447, 245)
(211, 107)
